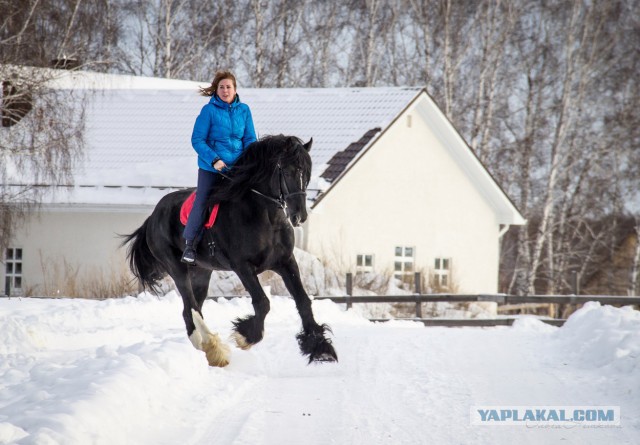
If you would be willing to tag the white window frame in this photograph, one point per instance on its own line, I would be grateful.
(13, 271)
(442, 272)
(361, 262)
(404, 261)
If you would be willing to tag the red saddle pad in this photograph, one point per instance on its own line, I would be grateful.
(187, 205)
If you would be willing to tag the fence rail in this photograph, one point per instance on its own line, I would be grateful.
(500, 299)
(469, 322)
(508, 302)
(497, 298)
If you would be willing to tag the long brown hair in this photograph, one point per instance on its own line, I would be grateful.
(220, 75)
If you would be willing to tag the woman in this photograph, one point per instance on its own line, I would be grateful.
(222, 131)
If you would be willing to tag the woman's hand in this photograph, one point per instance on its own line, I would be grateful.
(219, 165)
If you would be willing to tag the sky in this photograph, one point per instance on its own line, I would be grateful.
(122, 371)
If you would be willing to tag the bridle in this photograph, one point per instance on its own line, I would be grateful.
(281, 199)
(284, 188)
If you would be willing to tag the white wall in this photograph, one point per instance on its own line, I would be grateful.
(61, 246)
(408, 190)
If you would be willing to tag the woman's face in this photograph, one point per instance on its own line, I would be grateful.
(226, 91)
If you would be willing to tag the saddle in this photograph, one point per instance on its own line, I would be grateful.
(187, 205)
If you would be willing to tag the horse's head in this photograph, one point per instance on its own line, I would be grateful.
(294, 174)
(278, 168)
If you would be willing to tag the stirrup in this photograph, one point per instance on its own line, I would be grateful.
(188, 256)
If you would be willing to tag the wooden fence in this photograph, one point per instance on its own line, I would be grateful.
(503, 300)
(500, 299)
(510, 302)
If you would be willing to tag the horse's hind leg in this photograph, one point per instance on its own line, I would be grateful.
(192, 283)
(312, 340)
(250, 330)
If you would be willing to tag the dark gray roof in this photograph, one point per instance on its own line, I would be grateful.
(338, 163)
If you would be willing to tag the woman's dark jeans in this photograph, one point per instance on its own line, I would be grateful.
(206, 182)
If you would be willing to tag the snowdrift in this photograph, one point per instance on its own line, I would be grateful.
(123, 372)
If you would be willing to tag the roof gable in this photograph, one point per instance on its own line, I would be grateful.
(452, 141)
(466, 158)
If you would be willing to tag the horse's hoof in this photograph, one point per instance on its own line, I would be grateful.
(325, 357)
(217, 353)
(316, 346)
(241, 341)
(216, 361)
(246, 333)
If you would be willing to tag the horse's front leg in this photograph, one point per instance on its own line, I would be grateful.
(192, 283)
(312, 339)
(249, 330)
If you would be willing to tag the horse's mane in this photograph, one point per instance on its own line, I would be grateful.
(257, 164)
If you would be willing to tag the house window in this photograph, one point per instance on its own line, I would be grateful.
(364, 263)
(13, 271)
(15, 104)
(404, 261)
(442, 272)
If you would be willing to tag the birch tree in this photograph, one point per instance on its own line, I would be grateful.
(635, 267)
(371, 23)
(576, 66)
(324, 41)
(183, 39)
(42, 132)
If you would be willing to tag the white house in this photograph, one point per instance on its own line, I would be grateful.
(394, 186)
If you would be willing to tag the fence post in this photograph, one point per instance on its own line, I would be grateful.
(418, 288)
(575, 283)
(349, 289)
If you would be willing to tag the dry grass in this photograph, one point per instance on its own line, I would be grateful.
(63, 279)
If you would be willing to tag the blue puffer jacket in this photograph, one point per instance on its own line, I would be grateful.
(222, 131)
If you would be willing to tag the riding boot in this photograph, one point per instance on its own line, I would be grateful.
(189, 254)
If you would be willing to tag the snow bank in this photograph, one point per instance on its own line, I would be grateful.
(123, 371)
(598, 336)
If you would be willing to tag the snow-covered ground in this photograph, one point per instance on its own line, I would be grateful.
(123, 372)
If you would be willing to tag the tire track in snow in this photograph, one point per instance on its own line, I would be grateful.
(358, 400)
(284, 401)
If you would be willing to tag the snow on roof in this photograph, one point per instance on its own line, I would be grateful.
(139, 129)
(64, 79)
(138, 133)
(334, 117)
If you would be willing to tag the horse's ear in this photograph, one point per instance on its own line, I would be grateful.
(307, 146)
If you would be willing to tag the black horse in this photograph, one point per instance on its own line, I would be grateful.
(261, 199)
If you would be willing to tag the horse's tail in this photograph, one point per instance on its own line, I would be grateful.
(141, 261)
